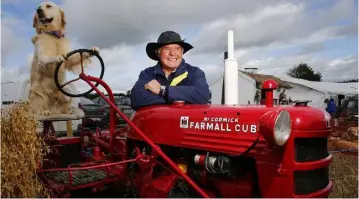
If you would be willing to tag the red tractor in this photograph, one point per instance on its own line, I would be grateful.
(186, 150)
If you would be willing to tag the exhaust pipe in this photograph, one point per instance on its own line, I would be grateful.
(230, 73)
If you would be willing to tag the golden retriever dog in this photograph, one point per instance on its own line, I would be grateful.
(51, 47)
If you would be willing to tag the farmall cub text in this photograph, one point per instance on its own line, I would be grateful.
(186, 150)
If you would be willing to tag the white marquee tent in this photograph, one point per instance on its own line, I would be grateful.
(317, 92)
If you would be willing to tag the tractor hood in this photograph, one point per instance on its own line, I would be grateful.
(216, 128)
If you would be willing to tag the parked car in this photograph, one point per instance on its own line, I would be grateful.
(90, 108)
(349, 107)
(93, 112)
(122, 102)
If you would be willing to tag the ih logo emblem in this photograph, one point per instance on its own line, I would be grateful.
(184, 122)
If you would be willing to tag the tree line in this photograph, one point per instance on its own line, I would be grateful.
(304, 71)
(348, 81)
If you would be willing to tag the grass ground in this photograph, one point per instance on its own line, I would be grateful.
(344, 173)
(344, 168)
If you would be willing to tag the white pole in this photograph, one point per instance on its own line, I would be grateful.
(231, 73)
(230, 44)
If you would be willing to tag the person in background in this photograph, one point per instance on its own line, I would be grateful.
(325, 104)
(331, 109)
(290, 101)
(171, 79)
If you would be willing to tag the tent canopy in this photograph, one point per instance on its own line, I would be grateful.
(327, 87)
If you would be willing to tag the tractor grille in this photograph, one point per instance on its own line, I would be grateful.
(310, 149)
(306, 150)
(306, 182)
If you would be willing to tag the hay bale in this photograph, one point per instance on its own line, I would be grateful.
(21, 151)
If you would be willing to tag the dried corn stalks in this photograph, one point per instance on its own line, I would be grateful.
(21, 150)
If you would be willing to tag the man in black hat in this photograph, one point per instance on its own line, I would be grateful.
(171, 79)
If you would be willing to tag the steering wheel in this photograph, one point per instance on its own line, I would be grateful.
(81, 51)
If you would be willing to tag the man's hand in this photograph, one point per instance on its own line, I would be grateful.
(154, 86)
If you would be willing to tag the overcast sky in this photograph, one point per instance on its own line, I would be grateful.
(273, 35)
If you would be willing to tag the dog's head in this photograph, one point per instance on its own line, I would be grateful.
(49, 17)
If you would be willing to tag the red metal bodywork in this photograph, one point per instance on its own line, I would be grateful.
(268, 87)
(217, 129)
(110, 148)
(275, 165)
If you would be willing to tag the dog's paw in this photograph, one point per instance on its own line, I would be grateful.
(61, 58)
(47, 113)
(96, 49)
(34, 39)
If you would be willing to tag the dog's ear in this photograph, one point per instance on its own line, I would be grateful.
(35, 21)
(63, 18)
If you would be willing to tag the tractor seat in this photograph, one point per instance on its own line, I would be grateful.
(76, 115)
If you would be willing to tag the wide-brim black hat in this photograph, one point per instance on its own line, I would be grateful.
(168, 37)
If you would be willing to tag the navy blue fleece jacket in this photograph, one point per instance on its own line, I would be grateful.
(193, 89)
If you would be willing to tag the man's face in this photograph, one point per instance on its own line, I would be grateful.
(171, 55)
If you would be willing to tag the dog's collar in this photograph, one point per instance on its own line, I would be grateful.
(54, 33)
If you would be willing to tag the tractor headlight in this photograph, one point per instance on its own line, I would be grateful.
(276, 126)
(282, 128)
